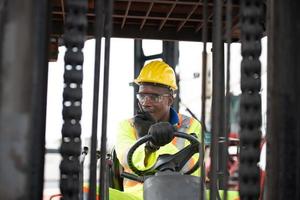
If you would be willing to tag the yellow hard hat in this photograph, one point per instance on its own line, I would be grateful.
(157, 72)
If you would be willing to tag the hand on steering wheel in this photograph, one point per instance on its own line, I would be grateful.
(190, 150)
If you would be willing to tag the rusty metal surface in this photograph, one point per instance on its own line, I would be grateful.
(151, 19)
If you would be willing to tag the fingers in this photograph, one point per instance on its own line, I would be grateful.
(162, 133)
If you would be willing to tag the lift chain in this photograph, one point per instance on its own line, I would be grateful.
(250, 104)
(74, 37)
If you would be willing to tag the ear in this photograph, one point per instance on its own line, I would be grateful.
(170, 100)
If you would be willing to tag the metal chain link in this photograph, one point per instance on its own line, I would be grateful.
(74, 37)
(250, 104)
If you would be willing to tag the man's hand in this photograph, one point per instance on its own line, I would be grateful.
(162, 133)
(142, 122)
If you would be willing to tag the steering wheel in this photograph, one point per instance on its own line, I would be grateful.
(180, 157)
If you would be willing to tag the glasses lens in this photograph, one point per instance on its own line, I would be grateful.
(151, 97)
(140, 97)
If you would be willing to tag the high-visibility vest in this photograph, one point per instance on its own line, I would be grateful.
(127, 136)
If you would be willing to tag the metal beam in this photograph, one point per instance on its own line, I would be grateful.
(23, 90)
(218, 99)
(283, 150)
(149, 32)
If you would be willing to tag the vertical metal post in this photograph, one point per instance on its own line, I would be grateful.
(218, 97)
(139, 60)
(203, 100)
(283, 147)
(228, 99)
(99, 28)
(23, 92)
(204, 65)
(103, 165)
(171, 56)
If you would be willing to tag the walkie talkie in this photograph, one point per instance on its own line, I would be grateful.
(140, 108)
(142, 111)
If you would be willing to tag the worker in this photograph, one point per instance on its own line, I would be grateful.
(156, 117)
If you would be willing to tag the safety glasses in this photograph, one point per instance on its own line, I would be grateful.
(156, 98)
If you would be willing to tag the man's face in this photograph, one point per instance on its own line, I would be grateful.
(155, 100)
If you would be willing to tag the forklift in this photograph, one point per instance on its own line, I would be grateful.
(31, 31)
